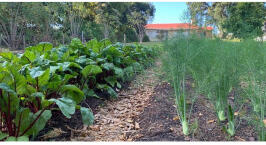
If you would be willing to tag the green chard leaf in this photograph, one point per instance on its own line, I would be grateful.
(73, 92)
(66, 105)
(91, 70)
(87, 116)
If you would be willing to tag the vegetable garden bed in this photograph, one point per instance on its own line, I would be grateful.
(231, 75)
(203, 90)
(45, 79)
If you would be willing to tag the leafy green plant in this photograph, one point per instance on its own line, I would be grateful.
(44, 79)
(176, 63)
(221, 92)
(231, 122)
(216, 69)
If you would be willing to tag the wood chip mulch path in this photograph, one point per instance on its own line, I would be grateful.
(116, 120)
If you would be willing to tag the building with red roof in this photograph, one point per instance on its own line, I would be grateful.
(159, 32)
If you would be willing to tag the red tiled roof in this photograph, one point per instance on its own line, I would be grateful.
(173, 26)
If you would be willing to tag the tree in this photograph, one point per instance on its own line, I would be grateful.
(245, 20)
(12, 24)
(140, 14)
(219, 13)
(108, 16)
(121, 30)
(43, 17)
(198, 12)
(24, 24)
(28, 23)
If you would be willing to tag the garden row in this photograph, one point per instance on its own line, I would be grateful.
(221, 71)
(46, 78)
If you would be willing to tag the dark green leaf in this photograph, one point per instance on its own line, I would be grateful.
(66, 105)
(87, 116)
(3, 135)
(36, 72)
(91, 70)
(40, 123)
(73, 92)
(6, 88)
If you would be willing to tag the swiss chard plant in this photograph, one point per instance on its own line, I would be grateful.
(46, 78)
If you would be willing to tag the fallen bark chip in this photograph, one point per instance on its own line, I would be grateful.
(176, 118)
(239, 138)
(54, 133)
(95, 128)
(210, 121)
(129, 120)
(137, 125)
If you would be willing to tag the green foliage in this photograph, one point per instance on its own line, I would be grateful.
(218, 69)
(43, 79)
(245, 20)
(91, 70)
(231, 125)
(87, 116)
(66, 105)
(59, 22)
(146, 38)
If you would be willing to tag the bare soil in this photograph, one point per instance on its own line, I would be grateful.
(145, 111)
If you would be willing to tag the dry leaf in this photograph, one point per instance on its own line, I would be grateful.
(200, 114)
(264, 121)
(129, 120)
(121, 126)
(54, 133)
(189, 102)
(237, 137)
(210, 121)
(137, 125)
(122, 137)
(171, 129)
(236, 113)
(176, 118)
(118, 116)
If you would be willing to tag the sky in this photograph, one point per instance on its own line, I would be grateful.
(168, 12)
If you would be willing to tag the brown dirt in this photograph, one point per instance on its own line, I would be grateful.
(59, 128)
(156, 122)
(146, 111)
(116, 121)
(160, 122)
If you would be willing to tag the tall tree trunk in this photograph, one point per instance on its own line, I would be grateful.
(124, 38)
(24, 42)
(141, 37)
(106, 30)
(222, 33)
(63, 39)
(82, 40)
(73, 26)
(46, 37)
(75, 23)
(141, 30)
(1, 40)
(12, 35)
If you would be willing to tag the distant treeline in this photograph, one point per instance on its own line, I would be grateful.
(27, 23)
